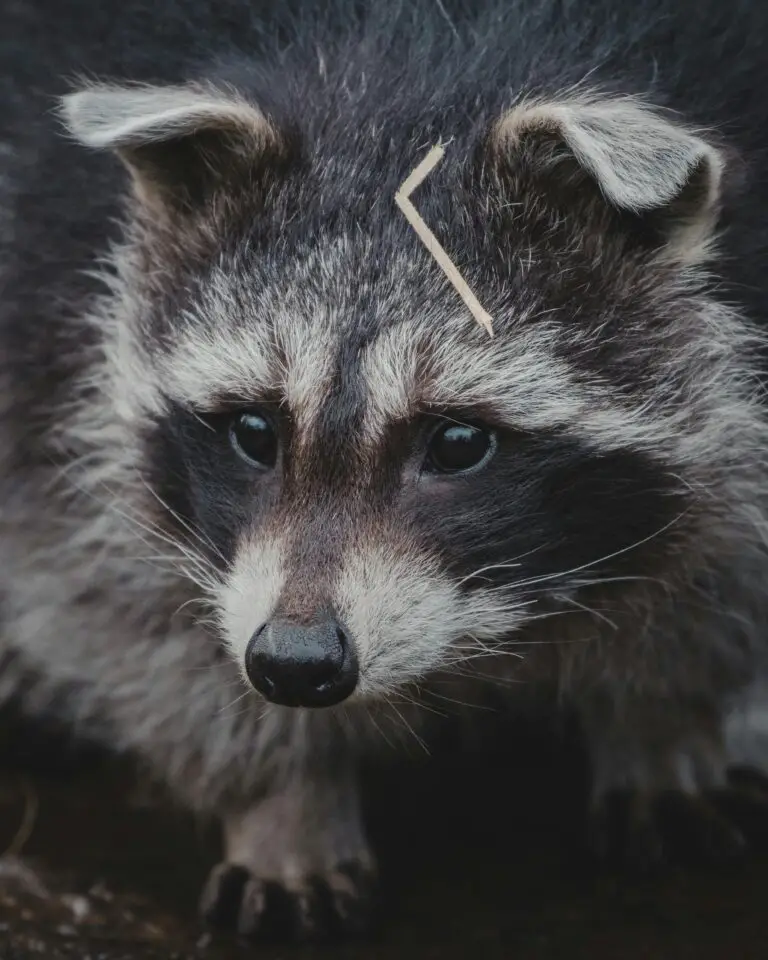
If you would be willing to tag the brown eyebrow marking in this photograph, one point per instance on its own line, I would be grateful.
(402, 198)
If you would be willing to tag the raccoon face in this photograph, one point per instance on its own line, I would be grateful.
(382, 490)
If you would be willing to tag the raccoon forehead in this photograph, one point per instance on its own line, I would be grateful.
(276, 333)
(399, 330)
(281, 354)
(417, 363)
(400, 341)
(520, 381)
(275, 327)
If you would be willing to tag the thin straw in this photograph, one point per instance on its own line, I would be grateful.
(402, 198)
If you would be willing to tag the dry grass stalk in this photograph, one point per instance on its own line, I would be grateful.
(402, 198)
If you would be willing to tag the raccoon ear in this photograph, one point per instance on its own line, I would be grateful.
(641, 162)
(177, 141)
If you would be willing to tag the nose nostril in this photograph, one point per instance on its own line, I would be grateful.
(302, 666)
(325, 674)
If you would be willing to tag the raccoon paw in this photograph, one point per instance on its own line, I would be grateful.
(665, 789)
(641, 829)
(313, 908)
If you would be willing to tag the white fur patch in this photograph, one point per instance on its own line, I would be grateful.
(405, 614)
(275, 347)
(211, 361)
(390, 372)
(251, 592)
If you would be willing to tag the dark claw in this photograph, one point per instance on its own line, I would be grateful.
(694, 831)
(222, 895)
(745, 803)
(322, 908)
(624, 834)
(745, 778)
(252, 909)
(351, 891)
(631, 830)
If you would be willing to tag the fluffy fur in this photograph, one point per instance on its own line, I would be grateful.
(600, 193)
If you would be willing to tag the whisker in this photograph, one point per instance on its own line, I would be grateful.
(189, 603)
(507, 564)
(462, 703)
(419, 704)
(595, 613)
(198, 535)
(486, 677)
(609, 556)
(408, 727)
(373, 720)
(243, 695)
(203, 572)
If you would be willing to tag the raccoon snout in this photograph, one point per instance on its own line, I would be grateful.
(302, 665)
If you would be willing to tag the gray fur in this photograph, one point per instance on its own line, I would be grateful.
(259, 260)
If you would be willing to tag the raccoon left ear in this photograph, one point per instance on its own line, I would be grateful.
(641, 161)
(177, 141)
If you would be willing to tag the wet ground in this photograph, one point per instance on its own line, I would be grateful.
(480, 861)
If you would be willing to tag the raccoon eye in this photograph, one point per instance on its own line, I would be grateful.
(254, 438)
(459, 447)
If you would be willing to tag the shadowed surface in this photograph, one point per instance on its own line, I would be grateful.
(478, 860)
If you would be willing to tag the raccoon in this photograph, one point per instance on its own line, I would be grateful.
(267, 487)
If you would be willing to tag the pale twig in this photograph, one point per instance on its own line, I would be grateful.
(402, 198)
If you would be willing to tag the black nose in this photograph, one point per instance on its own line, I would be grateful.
(302, 665)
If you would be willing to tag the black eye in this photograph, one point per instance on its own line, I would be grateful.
(254, 438)
(458, 447)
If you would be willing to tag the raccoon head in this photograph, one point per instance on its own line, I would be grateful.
(382, 490)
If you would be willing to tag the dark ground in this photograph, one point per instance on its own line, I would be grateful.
(479, 862)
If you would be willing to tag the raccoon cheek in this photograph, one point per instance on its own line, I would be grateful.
(402, 610)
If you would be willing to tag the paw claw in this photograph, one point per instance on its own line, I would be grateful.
(746, 778)
(252, 908)
(744, 802)
(624, 833)
(695, 831)
(317, 909)
(352, 887)
(222, 894)
(640, 831)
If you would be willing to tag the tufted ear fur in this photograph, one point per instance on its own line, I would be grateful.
(641, 162)
(179, 142)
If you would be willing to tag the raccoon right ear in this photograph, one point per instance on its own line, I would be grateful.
(179, 142)
(640, 161)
